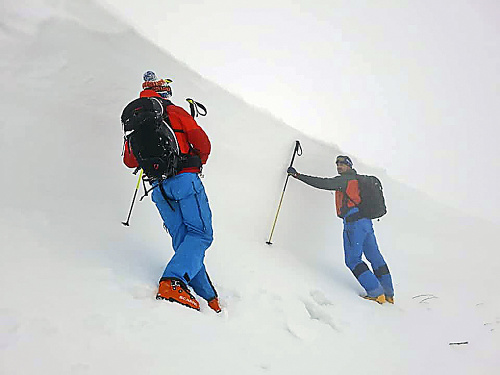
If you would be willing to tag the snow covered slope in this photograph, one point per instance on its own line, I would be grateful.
(78, 288)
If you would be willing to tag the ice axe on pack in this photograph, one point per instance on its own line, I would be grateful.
(297, 151)
(126, 223)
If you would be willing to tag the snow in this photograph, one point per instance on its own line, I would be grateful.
(78, 288)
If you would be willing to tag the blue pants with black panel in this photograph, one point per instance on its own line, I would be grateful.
(359, 239)
(184, 208)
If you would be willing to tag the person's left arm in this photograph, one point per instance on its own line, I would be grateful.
(195, 135)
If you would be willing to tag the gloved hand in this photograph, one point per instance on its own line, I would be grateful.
(292, 172)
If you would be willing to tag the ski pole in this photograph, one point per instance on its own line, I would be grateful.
(126, 223)
(296, 151)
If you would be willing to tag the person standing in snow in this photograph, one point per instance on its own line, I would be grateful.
(183, 205)
(359, 237)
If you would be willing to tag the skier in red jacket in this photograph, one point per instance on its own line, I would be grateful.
(183, 205)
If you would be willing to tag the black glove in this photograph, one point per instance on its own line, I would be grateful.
(292, 172)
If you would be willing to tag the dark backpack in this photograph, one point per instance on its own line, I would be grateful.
(150, 138)
(372, 204)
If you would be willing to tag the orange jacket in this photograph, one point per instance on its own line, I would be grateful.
(190, 136)
(343, 203)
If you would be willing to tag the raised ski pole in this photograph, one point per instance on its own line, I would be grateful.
(296, 151)
(126, 223)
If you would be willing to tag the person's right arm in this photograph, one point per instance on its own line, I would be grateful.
(333, 183)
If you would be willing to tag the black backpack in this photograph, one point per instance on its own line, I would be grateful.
(372, 204)
(151, 139)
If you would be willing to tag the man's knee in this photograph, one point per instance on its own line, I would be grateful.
(359, 269)
(381, 271)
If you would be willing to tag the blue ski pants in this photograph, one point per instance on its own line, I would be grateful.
(187, 217)
(359, 239)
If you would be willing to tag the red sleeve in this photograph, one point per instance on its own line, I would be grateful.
(194, 133)
(200, 142)
(128, 157)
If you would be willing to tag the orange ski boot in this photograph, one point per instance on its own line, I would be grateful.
(379, 299)
(214, 305)
(176, 291)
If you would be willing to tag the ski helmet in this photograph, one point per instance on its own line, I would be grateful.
(161, 86)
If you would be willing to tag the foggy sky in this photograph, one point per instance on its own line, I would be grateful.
(412, 87)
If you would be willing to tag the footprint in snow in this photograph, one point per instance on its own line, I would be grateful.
(318, 313)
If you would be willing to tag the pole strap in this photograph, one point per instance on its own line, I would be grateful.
(195, 108)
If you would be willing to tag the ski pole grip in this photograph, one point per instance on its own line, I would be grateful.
(139, 180)
(296, 151)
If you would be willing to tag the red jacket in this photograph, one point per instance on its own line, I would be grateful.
(191, 138)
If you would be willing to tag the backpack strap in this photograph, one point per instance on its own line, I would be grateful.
(357, 215)
(188, 160)
(146, 190)
(347, 195)
(167, 103)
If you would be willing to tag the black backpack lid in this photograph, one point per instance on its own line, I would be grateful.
(138, 110)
